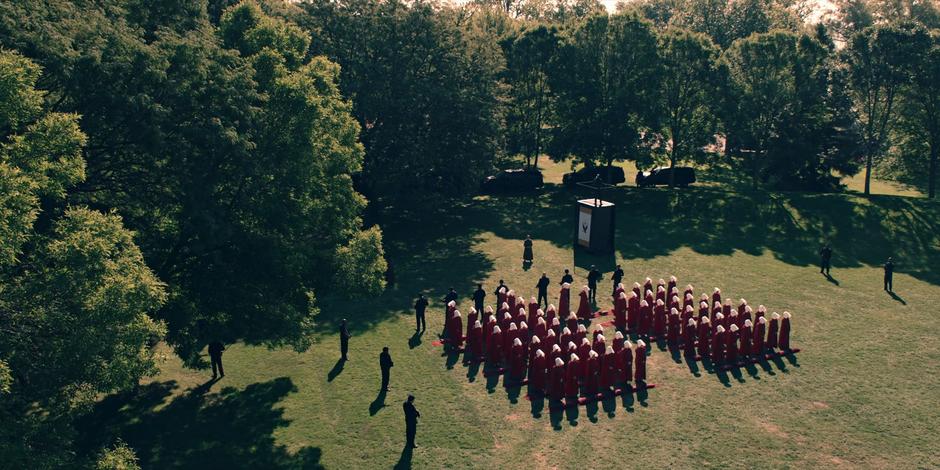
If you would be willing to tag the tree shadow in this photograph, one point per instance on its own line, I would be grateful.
(230, 429)
(378, 403)
(336, 370)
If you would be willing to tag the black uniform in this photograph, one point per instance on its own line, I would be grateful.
(420, 306)
(411, 423)
(478, 296)
(889, 276)
(452, 295)
(542, 287)
(825, 256)
(593, 277)
(617, 277)
(385, 363)
(343, 340)
(215, 356)
(566, 278)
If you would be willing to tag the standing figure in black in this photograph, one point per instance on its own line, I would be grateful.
(527, 250)
(566, 278)
(889, 275)
(617, 277)
(411, 422)
(825, 258)
(385, 363)
(215, 356)
(478, 296)
(343, 341)
(542, 287)
(451, 296)
(420, 306)
(500, 288)
(593, 276)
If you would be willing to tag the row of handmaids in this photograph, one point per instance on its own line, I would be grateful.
(560, 360)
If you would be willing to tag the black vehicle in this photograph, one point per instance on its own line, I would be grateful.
(520, 179)
(660, 176)
(607, 174)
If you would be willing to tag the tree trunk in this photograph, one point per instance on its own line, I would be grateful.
(932, 172)
(672, 160)
(868, 174)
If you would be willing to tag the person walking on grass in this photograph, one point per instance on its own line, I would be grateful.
(889, 274)
(825, 258)
(215, 357)
(385, 363)
(421, 305)
(343, 341)
(411, 422)
(617, 277)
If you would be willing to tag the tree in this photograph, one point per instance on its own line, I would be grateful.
(76, 295)
(528, 63)
(605, 84)
(880, 60)
(920, 116)
(688, 80)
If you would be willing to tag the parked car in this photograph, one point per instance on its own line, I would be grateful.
(607, 174)
(520, 179)
(660, 176)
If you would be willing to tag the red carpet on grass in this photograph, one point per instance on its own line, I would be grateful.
(607, 323)
(437, 342)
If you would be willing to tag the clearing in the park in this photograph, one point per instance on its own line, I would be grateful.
(862, 392)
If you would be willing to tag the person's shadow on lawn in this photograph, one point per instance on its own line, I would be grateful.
(336, 370)
(378, 403)
(897, 297)
(415, 340)
(404, 462)
(831, 279)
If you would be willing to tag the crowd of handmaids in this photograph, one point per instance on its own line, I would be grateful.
(558, 358)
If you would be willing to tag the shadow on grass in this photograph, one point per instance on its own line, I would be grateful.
(404, 461)
(230, 429)
(897, 297)
(336, 370)
(378, 403)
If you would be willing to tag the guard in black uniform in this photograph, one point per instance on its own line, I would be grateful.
(617, 277)
(889, 275)
(215, 357)
(542, 287)
(478, 296)
(411, 421)
(385, 363)
(343, 340)
(566, 278)
(825, 258)
(593, 276)
(420, 306)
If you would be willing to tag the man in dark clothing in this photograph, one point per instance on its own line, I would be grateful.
(825, 256)
(593, 276)
(343, 340)
(420, 306)
(478, 296)
(385, 363)
(411, 422)
(215, 356)
(617, 277)
(889, 274)
(542, 287)
(451, 295)
(566, 278)
(501, 287)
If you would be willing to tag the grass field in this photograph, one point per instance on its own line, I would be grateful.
(862, 393)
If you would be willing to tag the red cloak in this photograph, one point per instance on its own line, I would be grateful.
(659, 318)
(718, 345)
(456, 331)
(592, 381)
(784, 340)
(661, 293)
(671, 285)
(550, 315)
(572, 323)
(564, 302)
(633, 311)
(533, 311)
(572, 374)
(639, 374)
(759, 335)
(584, 350)
(625, 363)
(618, 342)
(731, 348)
(540, 328)
(557, 382)
(646, 312)
(565, 337)
(745, 336)
(608, 370)
(475, 341)
(584, 306)
(511, 300)
(716, 296)
(726, 309)
(672, 332)
(537, 373)
(620, 312)
(508, 337)
(599, 346)
(772, 332)
(535, 346)
(702, 310)
(494, 346)
(704, 335)
(518, 360)
(688, 337)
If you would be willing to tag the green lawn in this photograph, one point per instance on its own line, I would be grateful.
(862, 393)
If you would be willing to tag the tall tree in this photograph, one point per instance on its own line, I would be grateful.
(880, 60)
(76, 296)
(529, 59)
(688, 83)
(606, 88)
(920, 115)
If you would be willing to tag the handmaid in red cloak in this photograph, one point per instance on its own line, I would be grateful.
(718, 344)
(592, 379)
(637, 290)
(702, 310)
(649, 298)
(704, 336)
(646, 313)
(551, 313)
(661, 292)
(716, 295)
(564, 300)
(556, 326)
(598, 330)
(511, 300)
(557, 379)
(731, 350)
(584, 304)
(572, 323)
(537, 372)
(508, 337)
(572, 374)
(487, 314)
(533, 311)
(456, 331)
(726, 308)
(523, 335)
(488, 330)
(784, 340)
(494, 345)
(687, 314)
(535, 346)
(659, 319)
(619, 290)
(716, 309)
(620, 312)
(608, 369)
(672, 331)
(688, 337)
(741, 305)
(580, 334)
(639, 373)
(565, 336)
(571, 348)
(674, 303)
(540, 327)
(517, 364)
(557, 353)
(504, 319)
(548, 342)
(618, 342)
(633, 311)
(747, 314)
(625, 362)
(449, 317)
(718, 320)
(599, 345)
(760, 332)
(761, 312)
(584, 350)
(773, 330)
(520, 317)
(747, 333)
(671, 285)
(475, 340)
(689, 290)
(648, 285)
(733, 319)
